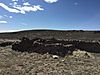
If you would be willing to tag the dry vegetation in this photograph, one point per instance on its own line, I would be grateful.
(78, 60)
(18, 63)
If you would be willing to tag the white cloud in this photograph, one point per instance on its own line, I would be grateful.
(10, 4)
(14, 0)
(10, 17)
(26, 4)
(8, 8)
(50, 1)
(5, 16)
(24, 9)
(3, 22)
(21, 9)
(15, 3)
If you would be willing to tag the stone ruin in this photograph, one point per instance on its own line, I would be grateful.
(53, 46)
(4, 44)
(42, 46)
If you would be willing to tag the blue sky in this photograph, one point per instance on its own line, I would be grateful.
(49, 14)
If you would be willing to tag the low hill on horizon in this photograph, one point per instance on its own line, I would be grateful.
(58, 34)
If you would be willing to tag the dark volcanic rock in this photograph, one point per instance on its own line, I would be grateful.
(88, 46)
(4, 44)
(42, 46)
(54, 46)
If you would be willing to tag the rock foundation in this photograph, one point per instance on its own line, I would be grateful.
(54, 46)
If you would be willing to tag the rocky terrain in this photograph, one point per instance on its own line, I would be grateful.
(50, 55)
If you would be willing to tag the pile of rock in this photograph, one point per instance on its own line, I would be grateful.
(79, 53)
(38, 45)
(54, 46)
(4, 44)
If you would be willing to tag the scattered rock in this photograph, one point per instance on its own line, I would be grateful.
(90, 55)
(24, 63)
(79, 53)
(62, 60)
(42, 46)
(55, 56)
(55, 47)
(4, 44)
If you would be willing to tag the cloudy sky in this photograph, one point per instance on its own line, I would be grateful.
(49, 14)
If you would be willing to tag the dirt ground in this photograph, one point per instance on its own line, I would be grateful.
(23, 63)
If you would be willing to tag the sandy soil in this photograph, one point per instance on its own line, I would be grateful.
(23, 63)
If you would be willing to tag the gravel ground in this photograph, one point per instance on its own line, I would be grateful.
(17, 63)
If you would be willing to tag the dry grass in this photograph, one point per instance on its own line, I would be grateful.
(17, 63)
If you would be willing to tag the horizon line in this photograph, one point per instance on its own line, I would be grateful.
(18, 30)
